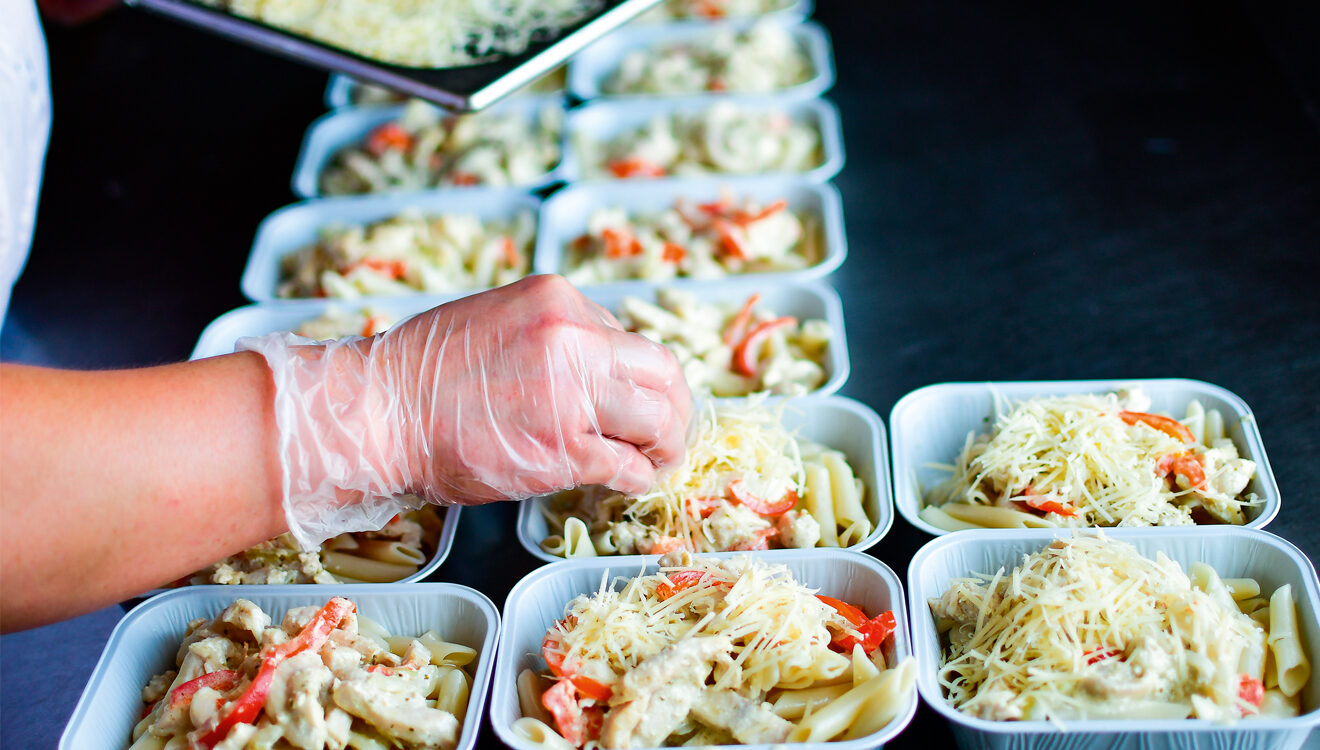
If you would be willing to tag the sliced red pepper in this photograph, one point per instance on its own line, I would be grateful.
(561, 701)
(1168, 425)
(666, 544)
(877, 629)
(589, 688)
(388, 137)
(620, 243)
(553, 651)
(759, 540)
(245, 708)
(1251, 690)
(635, 167)
(1096, 655)
(149, 708)
(709, 9)
(738, 328)
(731, 243)
(465, 179)
(849, 612)
(510, 251)
(703, 507)
(1190, 466)
(673, 253)
(395, 269)
(747, 350)
(874, 631)
(1042, 503)
(743, 218)
(757, 505)
(222, 680)
(680, 581)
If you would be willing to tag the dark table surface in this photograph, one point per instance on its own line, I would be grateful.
(1033, 191)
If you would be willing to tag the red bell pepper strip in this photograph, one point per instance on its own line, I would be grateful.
(680, 581)
(244, 709)
(1251, 690)
(561, 701)
(635, 167)
(1192, 467)
(760, 540)
(757, 505)
(729, 240)
(747, 350)
(620, 243)
(873, 631)
(552, 650)
(222, 680)
(738, 328)
(395, 269)
(666, 544)
(1169, 426)
(464, 179)
(1043, 503)
(702, 507)
(387, 137)
(743, 218)
(510, 251)
(674, 253)
(1096, 655)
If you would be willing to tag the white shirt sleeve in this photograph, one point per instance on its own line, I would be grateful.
(24, 132)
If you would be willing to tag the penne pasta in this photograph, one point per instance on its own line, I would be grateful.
(537, 732)
(793, 704)
(820, 503)
(530, 688)
(888, 698)
(847, 498)
(1292, 668)
(391, 552)
(363, 569)
(995, 517)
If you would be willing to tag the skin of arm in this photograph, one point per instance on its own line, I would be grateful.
(117, 482)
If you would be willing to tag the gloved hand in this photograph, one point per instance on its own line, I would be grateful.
(515, 392)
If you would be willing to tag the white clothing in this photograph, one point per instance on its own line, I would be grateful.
(24, 133)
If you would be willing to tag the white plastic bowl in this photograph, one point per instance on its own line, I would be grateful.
(296, 226)
(606, 120)
(342, 128)
(539, 599)
(1231, 551)
(931, 424)
(145, 641)
(589, 71)
(565, 215)
(835, 421)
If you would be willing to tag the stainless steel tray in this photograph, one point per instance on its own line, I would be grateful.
(461, 89)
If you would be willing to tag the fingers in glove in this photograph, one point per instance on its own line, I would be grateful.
(616, 464)
(644, 418)
(652, 366)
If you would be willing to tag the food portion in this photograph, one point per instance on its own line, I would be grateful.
(411, 253)
(366, 94)
(723, 138)
(1088, 628)
(337, 322)
(1090, 460)
(701, 241)
(426, 148)
(760, 60)
(320, 678)
(729, 350)
(431, 34)
(712, 10)
(713, 652)
(747, 483)
(390, 554)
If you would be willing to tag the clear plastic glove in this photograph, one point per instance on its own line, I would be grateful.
(516, 392)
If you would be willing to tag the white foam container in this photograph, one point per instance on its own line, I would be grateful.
(296, 226)
(591, 68)
(931, 424)
(564, 215)
(1231, 551)
(342, 128)
(539, 599)
(835, 421)
(608, 119)
(145, 641)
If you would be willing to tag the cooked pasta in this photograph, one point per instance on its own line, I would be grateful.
(337, 322)
(431, 34)
(409, 253)
(425, 148)
(322, 677)
(761, 60)
(714, 652)
(1088, 628)
(723, 138)
(1095, 461)
(746, 484)
(732, 350)
(702, 241)
(392, 553)
(713, 9)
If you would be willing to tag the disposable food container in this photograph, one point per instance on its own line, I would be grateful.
(589, 71)
(931, 425)
(606, 120)
(343, 128)
(564, 216)
(1232, 551)
(539, 599)
(144, 643)
(339, 91)
(296, 226)
(835, 421)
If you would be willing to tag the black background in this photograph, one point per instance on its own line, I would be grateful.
(1034, 191)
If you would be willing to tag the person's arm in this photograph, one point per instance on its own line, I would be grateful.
(115, 482)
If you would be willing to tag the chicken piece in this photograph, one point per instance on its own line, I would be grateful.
(297, 618)
(995, 704)
(377, 700)
(247, 621)
(750, 722)
(338, 724)
(295, 700)
(158, 685)
(798, 529)
(343, 662)
(368, 647)
(652, 700)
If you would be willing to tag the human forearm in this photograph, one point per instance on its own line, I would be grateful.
(115, 482)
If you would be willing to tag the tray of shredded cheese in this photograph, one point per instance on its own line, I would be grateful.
(462, 54)
(700, 135)
(796, 473)
(767, 601)
(1132, 629)
(146, 640)
(764, 57)
(1164, 452)
(439, 242)
(701, 228)
(414, 146)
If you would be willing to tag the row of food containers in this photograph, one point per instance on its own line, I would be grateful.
(146, 639)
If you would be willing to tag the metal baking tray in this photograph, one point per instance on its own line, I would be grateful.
(460, 89)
